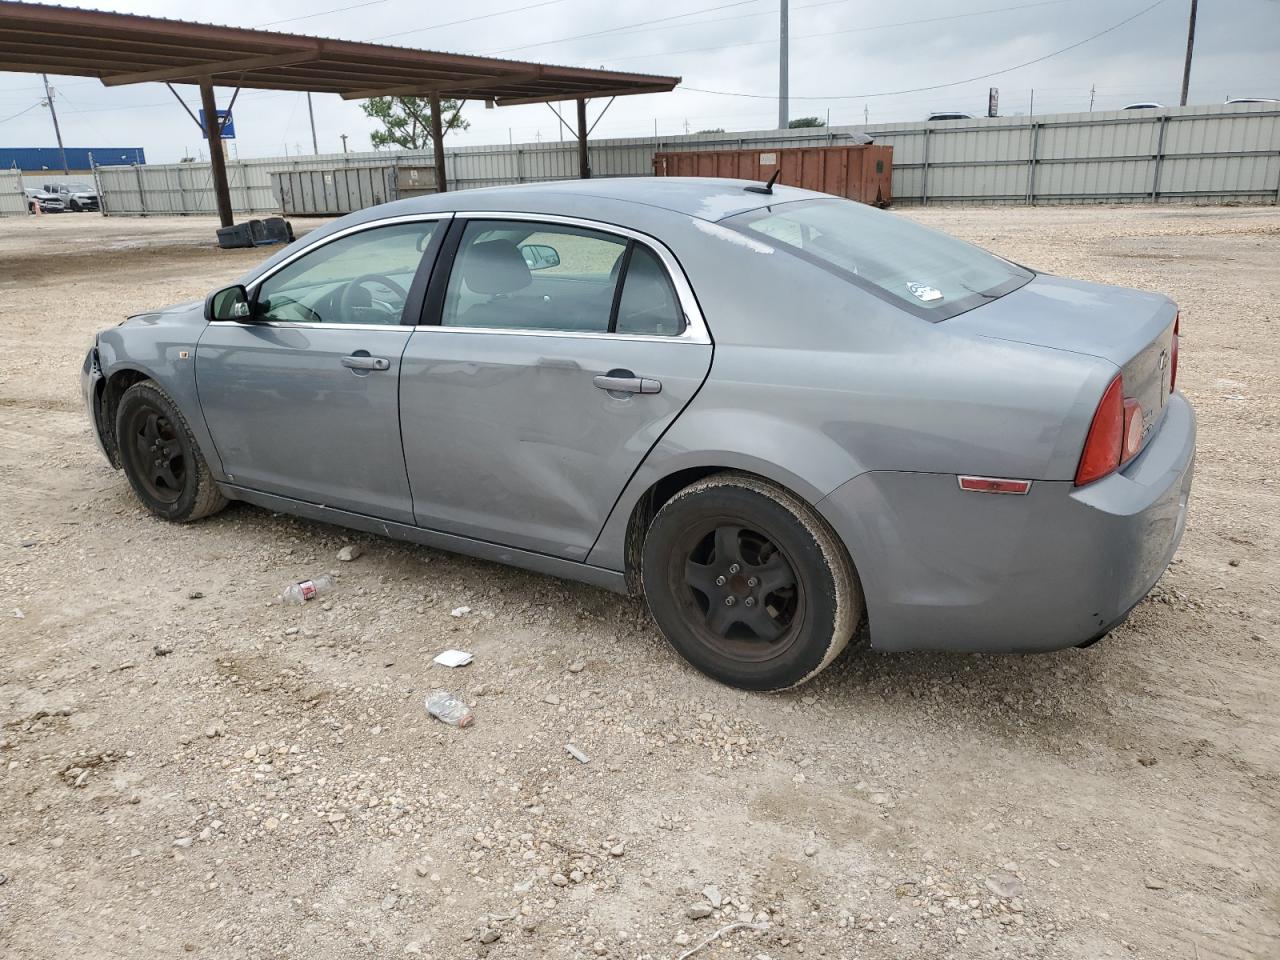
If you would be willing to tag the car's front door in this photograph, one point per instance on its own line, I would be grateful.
(302, 398)
(548, 366)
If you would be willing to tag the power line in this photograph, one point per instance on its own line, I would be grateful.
(322, 13)
(21, 112)
(938, 86)
(639, 23)
(643, 25)
(833, 33)
(483, 16)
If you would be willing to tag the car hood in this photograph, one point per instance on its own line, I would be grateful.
(189, 313)
(1114, 323)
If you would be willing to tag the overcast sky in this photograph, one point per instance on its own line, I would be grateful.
(844, 53)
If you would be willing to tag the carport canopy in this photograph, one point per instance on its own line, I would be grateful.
(122, 49)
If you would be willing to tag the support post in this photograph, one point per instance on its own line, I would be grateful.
(924, 172)
(1158, 159)
(1032, 160)
(217, 162)
(437, 144)
(584, 159)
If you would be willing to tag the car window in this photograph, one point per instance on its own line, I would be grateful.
(648, 304)
(533, 276)
(360, 278)
(929, 273)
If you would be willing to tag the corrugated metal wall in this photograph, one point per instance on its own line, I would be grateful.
(48, 160)
(1175, 154)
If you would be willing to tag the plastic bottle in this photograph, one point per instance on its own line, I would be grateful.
(307, 589)
(443, 705)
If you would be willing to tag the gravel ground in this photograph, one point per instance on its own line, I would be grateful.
(188, 768)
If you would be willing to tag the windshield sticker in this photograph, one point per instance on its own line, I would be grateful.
(924, 292)
(733, 236)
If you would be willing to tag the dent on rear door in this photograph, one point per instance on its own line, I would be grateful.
(508, 439)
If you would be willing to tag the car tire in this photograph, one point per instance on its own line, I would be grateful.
(161, 458)
(748, 583)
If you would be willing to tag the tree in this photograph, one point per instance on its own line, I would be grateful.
(806, 122)
(712, 130)
(406, 121)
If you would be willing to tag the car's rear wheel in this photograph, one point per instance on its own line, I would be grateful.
(161, 459)
(748, 583)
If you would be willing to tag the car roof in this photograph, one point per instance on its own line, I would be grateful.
(708, 198)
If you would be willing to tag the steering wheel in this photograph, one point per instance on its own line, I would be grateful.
(352, 300)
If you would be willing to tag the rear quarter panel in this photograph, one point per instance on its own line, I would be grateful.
(814, 381)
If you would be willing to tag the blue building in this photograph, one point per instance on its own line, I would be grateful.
(36, 159)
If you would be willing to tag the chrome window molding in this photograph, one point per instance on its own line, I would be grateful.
(695, 325)
(304, 325)
(251, 288)
(695, 330)
(561, 334)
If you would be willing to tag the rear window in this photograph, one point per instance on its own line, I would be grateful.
(926, 272)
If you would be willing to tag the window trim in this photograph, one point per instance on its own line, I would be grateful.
(431, 252)
(695, 326)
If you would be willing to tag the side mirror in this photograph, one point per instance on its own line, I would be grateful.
(539, 256)
(229, 303)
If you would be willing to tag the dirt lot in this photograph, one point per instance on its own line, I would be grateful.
(186, 767)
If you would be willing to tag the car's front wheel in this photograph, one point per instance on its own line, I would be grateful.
(748, 583)
(160, 456)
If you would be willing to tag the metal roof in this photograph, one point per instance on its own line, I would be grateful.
(125, 48)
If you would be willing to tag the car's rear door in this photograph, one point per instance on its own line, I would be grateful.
(302, 400)
(528, 397)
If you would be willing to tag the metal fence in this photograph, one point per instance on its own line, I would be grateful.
(1207, 154)
(13, 202)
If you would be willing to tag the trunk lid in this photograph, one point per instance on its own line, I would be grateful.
(1130, 328)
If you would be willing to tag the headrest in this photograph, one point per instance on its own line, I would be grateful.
(495, 266)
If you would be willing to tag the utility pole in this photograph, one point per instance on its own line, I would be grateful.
(57, 132)
(343, 137)
(1093, 89)
(315, 148)
(1191, 42)
(1032, 111)
(784, 112)
(217, 160)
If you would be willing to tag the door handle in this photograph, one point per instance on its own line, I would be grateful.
(628, 384)
(366, 363)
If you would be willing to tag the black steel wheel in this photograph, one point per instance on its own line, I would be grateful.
(160, 457)
(748, 584)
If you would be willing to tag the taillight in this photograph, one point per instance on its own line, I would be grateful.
(1105, 442)
(1173, 352)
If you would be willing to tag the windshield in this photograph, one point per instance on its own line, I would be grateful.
(930, 274)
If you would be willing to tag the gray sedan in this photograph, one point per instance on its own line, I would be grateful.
(781, 417)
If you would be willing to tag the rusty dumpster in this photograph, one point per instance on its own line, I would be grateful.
(860, 172)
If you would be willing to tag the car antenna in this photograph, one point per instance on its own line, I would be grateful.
(768, 187)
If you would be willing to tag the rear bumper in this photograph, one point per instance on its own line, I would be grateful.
(944, 569)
